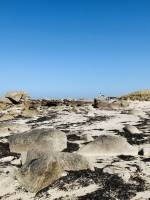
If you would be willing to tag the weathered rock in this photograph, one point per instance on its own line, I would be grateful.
(41, 168)
(38, 174)
(17, 97)
(109, 105)
(48, 139)
(107, 145)
(77, 103)
(67, 161)
(51, 102)
(132, 129)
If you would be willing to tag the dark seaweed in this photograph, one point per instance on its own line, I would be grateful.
(5, 151)
(71, 147)
(126, 158)
(73, 137)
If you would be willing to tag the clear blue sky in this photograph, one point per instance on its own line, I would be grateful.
(74, 48)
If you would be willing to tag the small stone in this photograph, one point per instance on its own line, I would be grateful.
(132, 129)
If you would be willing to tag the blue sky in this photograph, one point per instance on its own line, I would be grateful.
(74, 48)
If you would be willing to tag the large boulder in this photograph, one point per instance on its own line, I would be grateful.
(107, 145)
(67, 161)
(17, 97)
(42, 169)
(48, 139)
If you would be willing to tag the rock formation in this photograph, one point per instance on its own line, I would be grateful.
(43, 168)
(17, 97)
(106, 104)
(49, 139)
(107, 145)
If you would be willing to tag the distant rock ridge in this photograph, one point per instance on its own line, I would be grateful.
(106, 104)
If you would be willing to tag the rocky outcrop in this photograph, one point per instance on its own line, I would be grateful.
(51, 102)
(17, 97)
(107, 145)
(105, 104)
(67, 161)
(43, 163)
(42, 168)
(78, 103)
(65, 102)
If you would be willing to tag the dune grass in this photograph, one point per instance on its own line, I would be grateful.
(143, 95)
